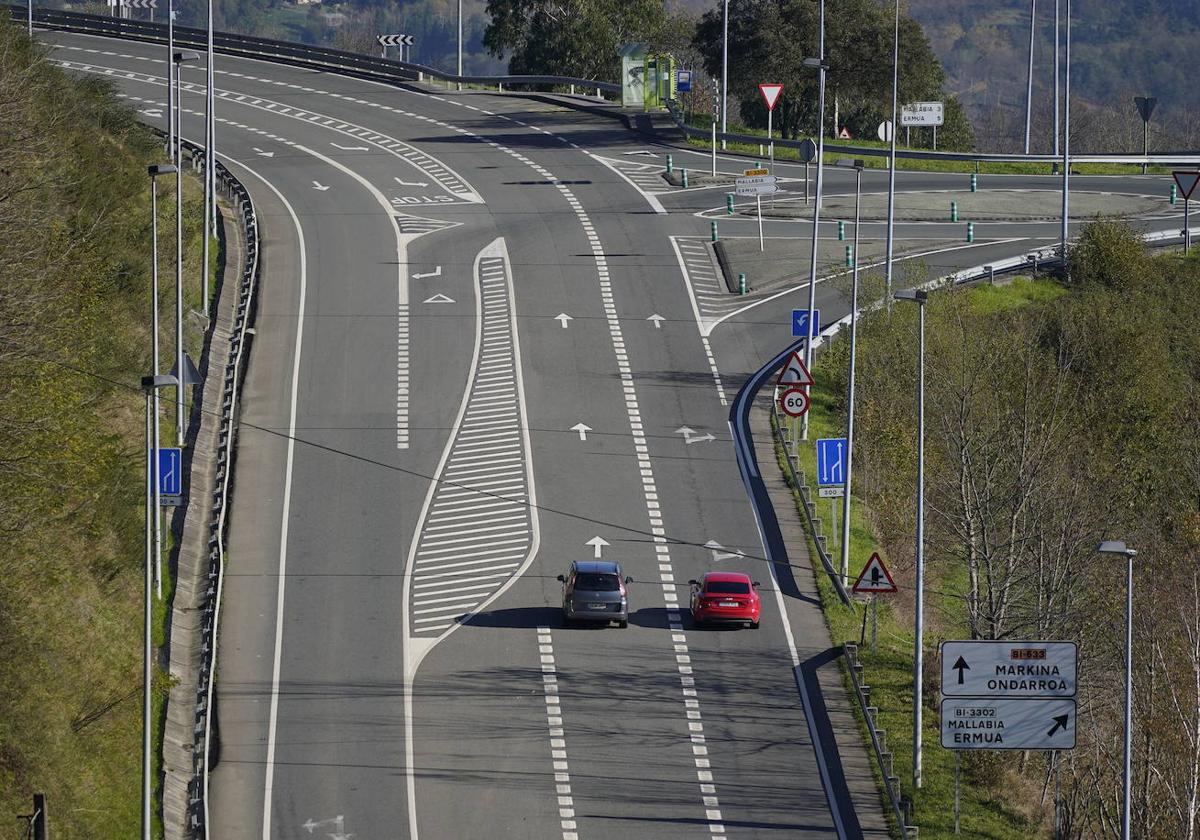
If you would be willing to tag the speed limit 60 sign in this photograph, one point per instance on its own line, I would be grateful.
(794, 402)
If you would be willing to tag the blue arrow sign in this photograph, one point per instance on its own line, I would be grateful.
(831, 461)
(800, 318)
(170, 471)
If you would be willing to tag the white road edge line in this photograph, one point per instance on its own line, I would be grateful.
(654, 203)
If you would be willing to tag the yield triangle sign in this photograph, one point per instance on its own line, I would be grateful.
(875, 577)
(795, 372)
(771, 94)
(1186, 181)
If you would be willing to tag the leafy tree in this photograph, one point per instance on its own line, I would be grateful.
(769, 40)
(570, 37)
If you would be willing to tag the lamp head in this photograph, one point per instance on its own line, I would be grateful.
(918, 295)
(161, 169)
(1116, 547)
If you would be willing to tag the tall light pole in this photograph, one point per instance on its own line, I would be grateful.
(891, 210)
(460, 42)
(724, 72)
(918, 611)
(152, 384)
(171, 79)
(1056, 75)
(857, 165)
(1066, 153)
(210, 159)
(820, 64)
(1118, 547)
(178, 59)
(30, 20)
(1029, 89)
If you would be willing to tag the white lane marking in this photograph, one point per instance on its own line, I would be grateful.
(654, 203)
(517, 539)
(558, 740)
(269, 782)
(702, 323)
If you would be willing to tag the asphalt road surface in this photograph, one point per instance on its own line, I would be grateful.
(488, 333)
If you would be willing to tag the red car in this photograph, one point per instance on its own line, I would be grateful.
(725, 597)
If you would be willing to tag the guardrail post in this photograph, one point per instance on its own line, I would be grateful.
(683, 172)
(670, 165)
(741, 283)
(714, 232)
(572, 90)
(849, 256)
(954, 211)
(970, 231)
(728, 204)
(500, 87)
(974, 181)
(841, 231)
(991, 270)
(1174, 194)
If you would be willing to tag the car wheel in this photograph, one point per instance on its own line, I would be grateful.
(753, 625)
(622, 624)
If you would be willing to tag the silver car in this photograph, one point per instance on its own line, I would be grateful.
(594, 590)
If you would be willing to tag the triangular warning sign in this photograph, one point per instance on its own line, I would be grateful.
(795, 372)
(875, 577)
(844, 134)
(1186, 181)
(771, 94)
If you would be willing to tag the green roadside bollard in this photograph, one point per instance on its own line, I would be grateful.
(970, 231)
(1174, 194)
(670, 165)
(841, 231)
(683, 172)
(974, 182)
(714, 232)
(954, 211)
(728, 204)
(849, 256)
(741, 283)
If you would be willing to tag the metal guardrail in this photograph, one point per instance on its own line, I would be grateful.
(796, 479)
(1165, 159)
(286, 52)
(235, 192)
(883, 758)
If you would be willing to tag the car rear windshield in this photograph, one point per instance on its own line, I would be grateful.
(728, 587)
(597, 583)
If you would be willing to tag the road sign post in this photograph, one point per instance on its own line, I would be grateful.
(170, 476)
(1145, 106)
(757, 182)
(800, 321)
(400, 41)
(874, 579)
(1186, 181)
(770, 95)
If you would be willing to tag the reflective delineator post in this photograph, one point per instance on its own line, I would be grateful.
(741, 283)
(970, 231)
(670, 165)
(729, 204)
(954, 211)
(974, 182)
(849, 256)
(683, 172)
(714, 231)
(841, 231)
(1174, 194)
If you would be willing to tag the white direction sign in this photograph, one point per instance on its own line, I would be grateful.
(1006, 723)
(756, 185)
(923, 113)
(1009, 669)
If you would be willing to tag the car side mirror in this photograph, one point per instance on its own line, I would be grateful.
(757, 584)
(628, 579)
(694, 582)
(561, 579)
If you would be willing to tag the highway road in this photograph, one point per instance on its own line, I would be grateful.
(487, 334)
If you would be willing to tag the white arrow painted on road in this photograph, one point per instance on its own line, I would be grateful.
(562, 318)
(719, 553)
(317, 186)
(690, 436)
(151, 112)
(597, 543)
(657, 319)
(409, 183)
(582, 429)
(438, 298)
(337, 823)
(435, 273)
(350, 148)
(261, 153)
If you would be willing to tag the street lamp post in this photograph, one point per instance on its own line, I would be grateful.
(1066, 145)
(171, 79)
(460, 43)
(857, 166)
(210, 160)
(1057, 39)
(821, 66)
(724, 72)
(1119, 548)
(177, 59)
(919, 297)
(155, 171)
(891, 208)
(1029, 89)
